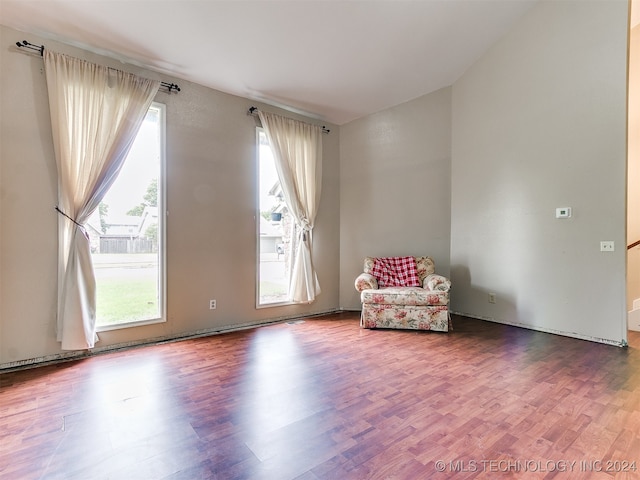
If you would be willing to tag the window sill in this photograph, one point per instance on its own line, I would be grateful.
(119, 326)
(275, 304)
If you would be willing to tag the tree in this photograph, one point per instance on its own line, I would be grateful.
(103, 210)
(137, 210)
(152, 232)
(150, 199)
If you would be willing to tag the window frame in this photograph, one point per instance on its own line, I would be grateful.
(162, 232)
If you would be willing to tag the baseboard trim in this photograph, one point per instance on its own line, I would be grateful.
(79, 355)
(620, 343)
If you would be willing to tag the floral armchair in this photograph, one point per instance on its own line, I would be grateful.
(403, 292)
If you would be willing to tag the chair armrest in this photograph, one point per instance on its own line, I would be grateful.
(435, 282)
(366, 281)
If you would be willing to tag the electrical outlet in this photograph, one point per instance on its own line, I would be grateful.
(212, 304)
(492, 298)
(607, 246)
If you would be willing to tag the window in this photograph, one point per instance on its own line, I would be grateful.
(274, 224)
(127, 234)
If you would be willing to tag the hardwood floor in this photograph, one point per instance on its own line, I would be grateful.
(323, 399)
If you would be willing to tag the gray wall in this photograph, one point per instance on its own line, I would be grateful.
(211, 195)
(395, 185)
(538, 123)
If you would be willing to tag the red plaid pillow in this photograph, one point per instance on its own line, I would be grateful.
(396, 272)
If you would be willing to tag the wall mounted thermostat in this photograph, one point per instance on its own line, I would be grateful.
(563, 212)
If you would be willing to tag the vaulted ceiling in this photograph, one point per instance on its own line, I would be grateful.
(332, 60)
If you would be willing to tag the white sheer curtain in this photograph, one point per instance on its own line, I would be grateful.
(96, 113)
(297, 150)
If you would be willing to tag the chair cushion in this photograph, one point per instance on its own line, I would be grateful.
(396, 272)
(404, 296)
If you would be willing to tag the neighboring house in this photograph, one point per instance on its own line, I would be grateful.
(271, 230)
(149, 220)
(93, 229)
(276, 191)
(281, 212)
(270, 235)
(124, 233)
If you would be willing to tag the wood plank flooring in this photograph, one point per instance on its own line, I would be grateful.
(323, 399)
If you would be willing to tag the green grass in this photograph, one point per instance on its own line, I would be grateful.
(272, 288)
(126, 294)
(271, 292)
(126, 299)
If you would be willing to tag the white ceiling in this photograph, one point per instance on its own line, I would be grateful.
(332, 60)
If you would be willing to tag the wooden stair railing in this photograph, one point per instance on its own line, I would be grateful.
(634, 244)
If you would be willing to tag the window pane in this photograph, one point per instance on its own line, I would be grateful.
(126, 234)
(273, 230)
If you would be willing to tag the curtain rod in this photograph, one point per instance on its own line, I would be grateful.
(40, 49)
(253, 111)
